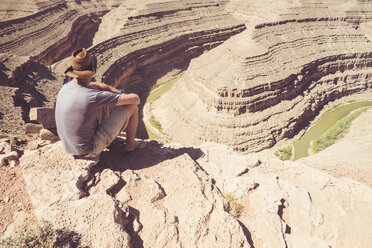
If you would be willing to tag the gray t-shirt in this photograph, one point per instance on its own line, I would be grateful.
(77, 111)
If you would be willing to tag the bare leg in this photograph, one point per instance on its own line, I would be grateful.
(131, 129)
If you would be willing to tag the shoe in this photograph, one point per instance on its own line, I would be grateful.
(141, 145)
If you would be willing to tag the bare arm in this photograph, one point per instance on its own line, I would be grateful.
(104, 87)
(127, 99)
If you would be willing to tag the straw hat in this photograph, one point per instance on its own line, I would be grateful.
(81, 65)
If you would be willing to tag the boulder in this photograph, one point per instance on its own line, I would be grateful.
(44, 116)
(55, 182)
(5, 146)
(7, 158)
(46, 134)
(107, 179)
(32, 128)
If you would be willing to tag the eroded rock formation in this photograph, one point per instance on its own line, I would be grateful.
(266, 83)
(262, 71)
(289, 204)
(24, 84)
(159, 199)
(172, 196)
(133, 41)
(155, 37)
(31, 40)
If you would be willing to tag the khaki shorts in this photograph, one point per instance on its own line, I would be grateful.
(112, 122)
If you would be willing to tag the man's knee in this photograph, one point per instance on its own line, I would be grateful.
(131, 109)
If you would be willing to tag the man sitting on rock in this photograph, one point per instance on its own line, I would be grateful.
(90, 115)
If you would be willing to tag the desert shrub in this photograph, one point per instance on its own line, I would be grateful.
(43, 236)
(335, 132)
(284, 153)
(234, 208)
(156, 124)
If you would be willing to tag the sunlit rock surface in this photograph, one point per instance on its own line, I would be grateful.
(268, 82)
(259, 72)
(133, 41)
(173, 196)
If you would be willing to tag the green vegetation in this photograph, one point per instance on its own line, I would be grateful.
(156, 124)
(159, 89)
(301, 145)
(284, 153)
(234, 208)
(155, 92)
(151, 134)
(43, 236)
(155, 86)
(335, 132)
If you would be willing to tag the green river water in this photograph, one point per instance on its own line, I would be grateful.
(156, 93)
(301, 145)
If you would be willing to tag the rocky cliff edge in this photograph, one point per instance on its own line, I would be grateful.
(173, 196)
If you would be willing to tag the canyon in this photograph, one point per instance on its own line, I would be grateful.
(268, 82)
(255, 75)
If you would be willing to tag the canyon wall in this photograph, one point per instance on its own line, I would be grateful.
(156, 37)
(257, 72)
(134, 41)
(34, 35)
(268, 82)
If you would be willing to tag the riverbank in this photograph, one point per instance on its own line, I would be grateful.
(326, 121)
(153, 127)
(326, 109)
(350, 156)
(336, 131)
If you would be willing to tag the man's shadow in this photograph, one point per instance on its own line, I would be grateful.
(116, 159)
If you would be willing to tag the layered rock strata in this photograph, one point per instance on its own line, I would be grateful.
(354, 12)
(12, 10)
(49, 35)
(135, 41)
(266, 83)
(32, 84)
(31, 40)
(156, 37)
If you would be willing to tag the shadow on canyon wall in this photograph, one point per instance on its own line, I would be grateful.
(30, 83)
(143, 90)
